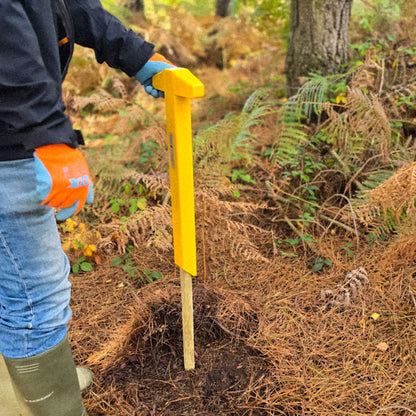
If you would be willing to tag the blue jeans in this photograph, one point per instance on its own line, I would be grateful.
(34, 285)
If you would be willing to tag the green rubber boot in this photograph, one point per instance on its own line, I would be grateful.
(47, 384)
(8, 402)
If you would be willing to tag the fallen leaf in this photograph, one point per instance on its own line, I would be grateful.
(382, 346)
(375, 316)
(97, 259)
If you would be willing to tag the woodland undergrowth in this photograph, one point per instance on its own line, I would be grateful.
(305, 221)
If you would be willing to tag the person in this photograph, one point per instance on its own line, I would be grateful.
(43, 173)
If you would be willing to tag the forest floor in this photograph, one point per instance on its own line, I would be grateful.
(272, 337)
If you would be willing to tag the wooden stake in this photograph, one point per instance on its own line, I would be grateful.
(187, 320)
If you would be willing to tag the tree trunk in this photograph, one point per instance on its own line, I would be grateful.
(134, 5)
(318, 39)
(221, 8)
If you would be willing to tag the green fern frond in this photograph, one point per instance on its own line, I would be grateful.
(231, 138)
(206, 136)
(291, 134)
(248, 120)
(212, 147)
(310, 99)
(375, 179)
(256, 100)
(383, 226)
(311, 95)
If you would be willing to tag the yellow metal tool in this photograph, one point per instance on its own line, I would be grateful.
(180, 86)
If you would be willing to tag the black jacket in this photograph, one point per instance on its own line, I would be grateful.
(32, 66)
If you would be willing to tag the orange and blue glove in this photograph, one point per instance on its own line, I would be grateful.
(157, 63)
(63, 180)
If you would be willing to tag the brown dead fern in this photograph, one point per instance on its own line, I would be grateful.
(347, 291)
(242, 233)
(151, 227)
(390, 206)
(362, 127)
(102, 101)
(368, 76)
(397, 194)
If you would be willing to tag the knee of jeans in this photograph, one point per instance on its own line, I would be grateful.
(16, 315)
(53, 309)
(42, 307)
(32, 330)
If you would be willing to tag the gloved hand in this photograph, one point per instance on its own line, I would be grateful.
(63, 179)
(157, 63)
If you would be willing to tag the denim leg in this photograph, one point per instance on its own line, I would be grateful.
(34, 285)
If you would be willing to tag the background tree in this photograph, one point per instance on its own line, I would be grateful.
(134, 5)
(221, 8)
(318, 40)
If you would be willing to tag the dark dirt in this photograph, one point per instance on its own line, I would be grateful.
(149, 369)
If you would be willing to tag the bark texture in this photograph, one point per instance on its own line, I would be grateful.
(318, 39)
(221, 8)
(134, 5)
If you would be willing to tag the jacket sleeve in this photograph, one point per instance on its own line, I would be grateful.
(30, 97)
(96, 28)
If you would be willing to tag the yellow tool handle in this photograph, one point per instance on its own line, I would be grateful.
(179, 86)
